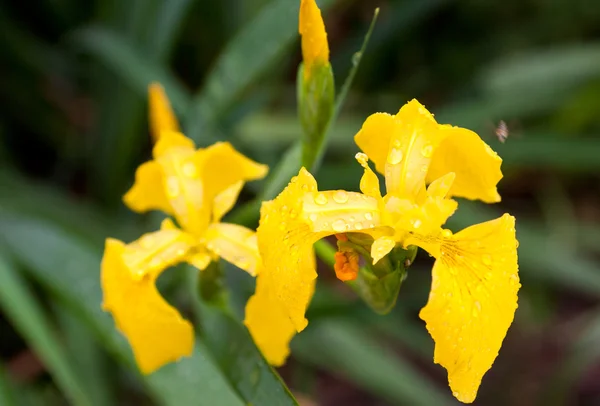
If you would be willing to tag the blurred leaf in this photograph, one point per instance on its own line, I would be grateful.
(346, 349)
(169, 20)
(245, 59)
(70, 270)
(7, 389)
(27, 316)
(134, 69)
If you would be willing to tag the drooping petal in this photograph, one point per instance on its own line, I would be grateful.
(374, 138)
(148, 191)
(476, 165)
(472, 301)
(411, 146)
(222, 166)
(235, 244)
(315, 49)
(269, 324)
(286, 243)
(162, 117)
(225, 200)
(155, 330)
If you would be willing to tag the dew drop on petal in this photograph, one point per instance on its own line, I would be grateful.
(172, 186)
(396, 144)
(313, 217)
(189, 170)
(487, 259)
(416, 223)
(321, 199)
(339, 225)
(426, 151)
(395, 156)
(446, 233)
(340, 197)
(368, 216)
(358, 226)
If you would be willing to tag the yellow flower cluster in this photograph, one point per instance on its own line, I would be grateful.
(475, 278)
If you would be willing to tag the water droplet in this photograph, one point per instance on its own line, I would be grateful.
(424, 168)
(189, 170)
(282, 225)
(488, 276)
(478, 305)
(172, 186)
(305, 187)
(369, 216)
(356, 57)
(416, 223)
(396, 144)
(339, 225)
(426, 151)
(147, 241)
(446, 233)
(321, 199)
(313, 217)
(293, 214)
(358, 226)
(395, 156)
(351, 219)
(487, 259)
(516, 244)
(340, 197)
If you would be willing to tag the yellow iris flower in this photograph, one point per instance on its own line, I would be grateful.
(475, 277)
(197, 187)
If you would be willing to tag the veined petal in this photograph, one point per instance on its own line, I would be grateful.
(161, 114)
(269, 324)
(410, 150)
(155, 330)
(472, 301)
(338, 211)
(153, 252)
(374, 138)
(315, 49)
(148, 191)
(225, 200)
(369, 183)
(222, 166)
(286, 243)
(235, 244)
(476, 165)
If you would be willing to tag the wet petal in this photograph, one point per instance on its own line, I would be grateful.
(338, 211)
(286, 243)
(225, 200)
(441, 186)
(269, 324)
(222, 166)
(235, 244)
(162, 117)
(155, 330)
(148, 191)
(374, 138)
(381, 247)
(315, 49)
(476, 166)
(472, 301)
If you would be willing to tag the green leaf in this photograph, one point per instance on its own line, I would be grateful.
(258, 46)
(69, 269)
(346, 349)
(232, 346)
(27, 316)
(8, 392)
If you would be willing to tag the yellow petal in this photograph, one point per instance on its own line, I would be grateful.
(338, 211)
(441, 186)
(153, 252)
(381, 247)
(472, 301)
(222, 166)
(286, 243)
(235, 244)
(225, 200)
(148, 191)
(199, 259)
(412, 144)
(369, 183)
(374, 138)
(315, 49)
(476, 166)
(183, 182)
(268, 323)
(161, 114)
(155, 330)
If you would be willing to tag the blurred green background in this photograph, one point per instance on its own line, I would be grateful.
(73, 128)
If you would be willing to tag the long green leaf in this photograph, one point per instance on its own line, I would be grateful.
(246, 58)
(347, 350)
(26, 314)
(70, 270)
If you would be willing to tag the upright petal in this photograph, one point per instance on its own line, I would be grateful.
(161, 114)
(235, 244)
(269, 324)
(225, 200)
(476, 165)
(155, 330)
(315, 49)
(472, 301)
(369, 183)
(148, 191)
(374, 138)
